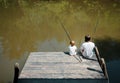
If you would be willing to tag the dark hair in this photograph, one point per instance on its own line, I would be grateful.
(87, 38)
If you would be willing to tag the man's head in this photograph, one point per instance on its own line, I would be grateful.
(87, 38)
(72, 43)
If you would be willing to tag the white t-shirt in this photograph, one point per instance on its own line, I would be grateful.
(87, 49)
(72, 50)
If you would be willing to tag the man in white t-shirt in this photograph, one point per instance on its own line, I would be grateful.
(72, 48)
(87, 47)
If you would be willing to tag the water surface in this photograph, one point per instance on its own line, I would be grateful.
(34, 25)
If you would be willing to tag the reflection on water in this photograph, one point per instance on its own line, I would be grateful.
(51, 45)
(33, 25)
(1, 47)
(7, 67)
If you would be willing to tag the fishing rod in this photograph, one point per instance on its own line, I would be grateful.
(68, 35)
(95, 28)
(97, 22)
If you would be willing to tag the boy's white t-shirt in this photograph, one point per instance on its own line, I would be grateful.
(72, 50)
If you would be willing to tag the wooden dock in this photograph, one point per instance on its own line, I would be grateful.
(59, 67)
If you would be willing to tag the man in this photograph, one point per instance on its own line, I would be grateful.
(72, 48)
(87, 47)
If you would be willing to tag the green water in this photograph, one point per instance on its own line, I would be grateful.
(34, 25)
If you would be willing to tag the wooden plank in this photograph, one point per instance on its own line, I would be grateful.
(59, 65)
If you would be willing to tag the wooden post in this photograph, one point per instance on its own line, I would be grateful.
(98, 55)
(101, 62)
(104, 68)
(16, 72)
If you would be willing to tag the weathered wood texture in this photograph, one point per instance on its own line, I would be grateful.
(58, 65)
